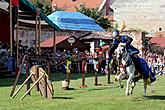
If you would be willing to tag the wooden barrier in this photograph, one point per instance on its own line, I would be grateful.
(41, 80)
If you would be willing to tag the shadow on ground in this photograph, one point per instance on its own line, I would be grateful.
(155, 97)
(54, 77)
(63, 98)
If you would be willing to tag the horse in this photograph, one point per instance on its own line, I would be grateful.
(130, 69)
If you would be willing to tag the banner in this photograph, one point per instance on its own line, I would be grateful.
(15, 2)
(68, 66)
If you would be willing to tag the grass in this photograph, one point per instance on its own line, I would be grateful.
(105, 97)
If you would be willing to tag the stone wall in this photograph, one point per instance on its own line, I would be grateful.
(27, 35)
(137, 39)
(142, 14)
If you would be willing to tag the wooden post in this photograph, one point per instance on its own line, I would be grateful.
(27, 75)
(109, 71)
(37, 76)
(96, 79)
(39, 35)
(16, 79)
(36, 33)
(17, 42)
(46, 93)
(28, 91)
(83, 74)
(83, 79)
(11, 30)
(67, 77)
(54, 42)
(21, 85)
(48, 66)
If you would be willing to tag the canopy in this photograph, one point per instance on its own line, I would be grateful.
(28, 12)
(74, 21)
(62, 42)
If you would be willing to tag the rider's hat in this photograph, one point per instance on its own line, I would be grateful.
(115, 33)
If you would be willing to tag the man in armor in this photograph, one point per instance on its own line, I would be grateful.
(122, 39)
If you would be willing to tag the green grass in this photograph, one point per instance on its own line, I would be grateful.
(105, 97)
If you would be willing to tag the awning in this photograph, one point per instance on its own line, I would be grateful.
(74, 21)
(28, 11)
(64, 42)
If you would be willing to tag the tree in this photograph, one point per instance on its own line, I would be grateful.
(97, 16)
(45, 8)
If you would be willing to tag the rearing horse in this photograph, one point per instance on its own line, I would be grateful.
(129, 66)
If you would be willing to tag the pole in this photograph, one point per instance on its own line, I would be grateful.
(16, 79)
(96, 79)
(32, 86)
(48, 67)
(11, 30)
(36, 34)
(21, 85)
(109, 71)
(39, 35)
(54, 42)
(17, 42)
(83, 74)
(27, 74)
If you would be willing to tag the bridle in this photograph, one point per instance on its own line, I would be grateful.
(124, 55)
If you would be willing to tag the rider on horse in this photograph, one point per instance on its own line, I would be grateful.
(139, 63)
(122, 39)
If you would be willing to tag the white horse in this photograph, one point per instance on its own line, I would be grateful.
(129, 66)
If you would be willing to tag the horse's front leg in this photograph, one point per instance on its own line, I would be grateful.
(128, 81)
(132, 88)
(145, 86)
(120, 84)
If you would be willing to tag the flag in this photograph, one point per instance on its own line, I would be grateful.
(15, 2)
(68, 66)
(101, 43)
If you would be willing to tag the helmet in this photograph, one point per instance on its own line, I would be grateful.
(115, 33)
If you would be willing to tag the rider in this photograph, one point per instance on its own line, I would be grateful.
(122, 39)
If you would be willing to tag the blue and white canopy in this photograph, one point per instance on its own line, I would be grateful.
(74, 21)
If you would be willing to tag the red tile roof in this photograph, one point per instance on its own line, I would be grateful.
(49, 42)
(158, 41)
(69, 5)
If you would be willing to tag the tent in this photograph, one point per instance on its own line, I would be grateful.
(74, 21)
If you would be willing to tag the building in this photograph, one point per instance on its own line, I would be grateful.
(72, 5)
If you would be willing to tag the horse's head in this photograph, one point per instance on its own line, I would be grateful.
(120, 50)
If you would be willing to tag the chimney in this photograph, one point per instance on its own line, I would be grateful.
(54, 7)
(107, 6)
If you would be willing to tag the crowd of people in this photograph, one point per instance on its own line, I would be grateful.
(156, 62)
(101, 57)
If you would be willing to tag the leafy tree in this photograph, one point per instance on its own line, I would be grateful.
(96, 15)
(45, 8)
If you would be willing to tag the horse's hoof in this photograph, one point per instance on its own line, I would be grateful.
(127, 94)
